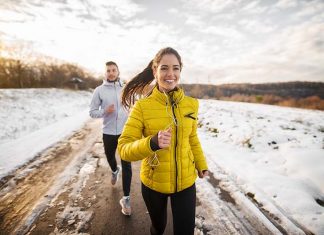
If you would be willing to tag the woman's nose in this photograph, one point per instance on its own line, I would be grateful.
(170, 72)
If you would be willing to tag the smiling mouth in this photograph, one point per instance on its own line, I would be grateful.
(170, 81)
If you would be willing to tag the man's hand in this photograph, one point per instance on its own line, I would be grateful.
(110, 108)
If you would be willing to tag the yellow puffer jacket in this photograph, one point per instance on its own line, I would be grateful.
(172, 169)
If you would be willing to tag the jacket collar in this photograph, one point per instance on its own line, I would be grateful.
(106, 83)
(168, 98)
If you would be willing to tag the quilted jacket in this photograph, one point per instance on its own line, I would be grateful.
(171, 169)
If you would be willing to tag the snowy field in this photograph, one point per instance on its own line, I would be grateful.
(275, 154)
(32, 120)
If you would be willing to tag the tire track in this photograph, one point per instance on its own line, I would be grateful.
(31, 183)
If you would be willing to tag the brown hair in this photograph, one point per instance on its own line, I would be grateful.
(137, 84)
(111, 63)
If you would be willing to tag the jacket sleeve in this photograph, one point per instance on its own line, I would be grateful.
(132, 146)
(200, 160)
(95, 104)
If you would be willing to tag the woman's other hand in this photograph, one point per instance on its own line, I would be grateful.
(203, 174)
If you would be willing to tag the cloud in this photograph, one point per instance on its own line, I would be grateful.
(193, 20)
(174, 11)
(304, 42)
(214, 6)
(286, 4)
(310, 8)
(255, 27)
(295, 54)
(233, 40)
(124, 9)
(227, 32)
(254, 8)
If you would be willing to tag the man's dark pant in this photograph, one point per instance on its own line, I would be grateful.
(110, 145)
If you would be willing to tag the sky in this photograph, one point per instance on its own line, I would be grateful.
(272, 152)
(220, 41)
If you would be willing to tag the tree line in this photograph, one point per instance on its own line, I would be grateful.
(16, 73)
(293, 94)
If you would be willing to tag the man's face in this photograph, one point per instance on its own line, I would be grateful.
(112, 73)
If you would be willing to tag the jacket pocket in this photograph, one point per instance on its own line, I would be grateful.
(150, 177)
(151, 173)
(191, 162)
(190, 115)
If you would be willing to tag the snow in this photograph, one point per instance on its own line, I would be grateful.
(273, 153)
(34, 119)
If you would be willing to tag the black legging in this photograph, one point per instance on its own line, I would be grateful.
(110, 145)
(183, 205)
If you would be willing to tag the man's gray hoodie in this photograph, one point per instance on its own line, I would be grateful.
(106, 94)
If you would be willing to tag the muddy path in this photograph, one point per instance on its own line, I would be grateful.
(66, 190)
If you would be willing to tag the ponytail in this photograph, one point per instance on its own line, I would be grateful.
(137, 85)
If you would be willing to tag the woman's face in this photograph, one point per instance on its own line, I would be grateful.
(167, 73)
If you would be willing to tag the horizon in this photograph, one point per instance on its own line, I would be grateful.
(220, 42)
(256, 83)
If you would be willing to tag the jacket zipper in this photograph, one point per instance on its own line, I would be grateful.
(175, 146)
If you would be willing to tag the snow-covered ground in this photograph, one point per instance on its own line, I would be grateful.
(32, 120)
(273, 153)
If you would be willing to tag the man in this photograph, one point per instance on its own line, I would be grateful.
(106, 104)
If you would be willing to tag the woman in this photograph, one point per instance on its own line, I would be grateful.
(162, 131)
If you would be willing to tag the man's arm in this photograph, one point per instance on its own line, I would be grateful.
(96, 111)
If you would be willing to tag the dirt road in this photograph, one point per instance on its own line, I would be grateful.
(67, 190)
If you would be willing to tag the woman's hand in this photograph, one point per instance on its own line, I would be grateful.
(203, 174)
(164, 138)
